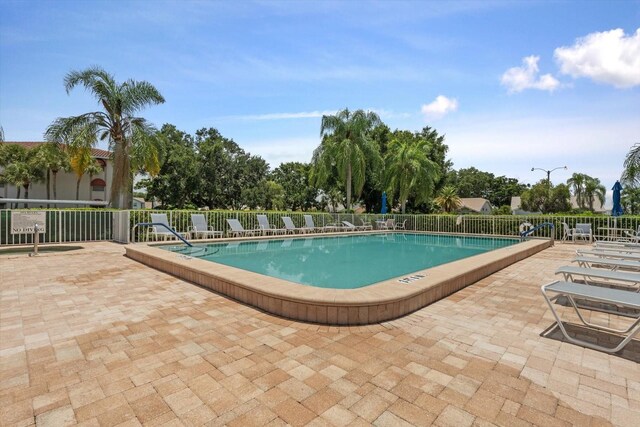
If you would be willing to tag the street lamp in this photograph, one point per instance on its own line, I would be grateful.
(549, 173)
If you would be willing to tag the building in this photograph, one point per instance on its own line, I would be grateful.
(95, 188)
(476, 205)
(516, 206)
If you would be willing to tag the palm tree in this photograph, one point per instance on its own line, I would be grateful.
(409, 171)
(53, 159)
(346, 147)
(594, 189)
(22, 170)
(631, 174)
(448, 199)
(577, 184)
(82, 163)
(130, 137)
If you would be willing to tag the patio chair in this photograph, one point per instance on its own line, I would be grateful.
(364, 226)
(237, 230)
(402, 225)
(266, 228)
(583, 231)
(389, 224)
(291, 227)
(160, 230)
(633, 236)
(597, 294)
(568, 232)
(199, 227)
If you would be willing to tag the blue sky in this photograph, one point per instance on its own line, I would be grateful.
(512, 85)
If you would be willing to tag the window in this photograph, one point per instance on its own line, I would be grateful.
(98, 185)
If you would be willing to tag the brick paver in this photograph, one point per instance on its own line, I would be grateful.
(93, 337)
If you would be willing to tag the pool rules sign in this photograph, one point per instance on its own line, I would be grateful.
(25, 222)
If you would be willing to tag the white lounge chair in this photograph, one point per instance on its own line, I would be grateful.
(349, 226)
(291, 227)
(199, 227)
(365, 226)
(588, 274)
(237, 230)
(309, 224)
(612, 264)
(610, 253)
(164, 230)
(620, 298)
(266, 228)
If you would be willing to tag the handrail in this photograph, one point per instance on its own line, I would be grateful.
(156, 224)
(537, 227)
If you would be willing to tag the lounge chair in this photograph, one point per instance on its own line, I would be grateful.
(199, 227)
(610, 253)
(164, 230)
(350, 227)
(618, 245)
(612, 264)
(291, 227)
(620, 298)
(237, 230)
(633, 236)
(364, 226)
(588, 274)
(583, 231)
(266, 228)
(309, 224)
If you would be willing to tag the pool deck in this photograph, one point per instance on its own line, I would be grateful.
(379, 302)
(95, 338)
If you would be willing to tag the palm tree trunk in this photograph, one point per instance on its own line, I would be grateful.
(48, 183)
(55, 188)
(26, 195)
(121, 176)
(78, 187)
(17, 196)
(403, 204)
(348, 187)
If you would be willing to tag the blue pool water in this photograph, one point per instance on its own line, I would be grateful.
(344, 262)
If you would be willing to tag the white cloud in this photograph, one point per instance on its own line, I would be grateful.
(606, 57)
(517, 79)
(439, 107)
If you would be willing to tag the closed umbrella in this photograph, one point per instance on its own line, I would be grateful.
(617, 206)
(384, 203)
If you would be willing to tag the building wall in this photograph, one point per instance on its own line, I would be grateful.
(66, 187)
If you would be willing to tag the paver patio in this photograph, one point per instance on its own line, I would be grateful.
(94, 338)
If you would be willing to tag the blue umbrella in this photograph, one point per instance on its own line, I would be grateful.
(617, 207)
(384, 203)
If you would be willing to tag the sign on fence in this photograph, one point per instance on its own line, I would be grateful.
(25, 222)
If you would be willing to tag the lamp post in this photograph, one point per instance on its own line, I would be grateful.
(549, 173)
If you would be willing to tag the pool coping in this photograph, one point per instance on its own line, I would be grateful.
(375, 303)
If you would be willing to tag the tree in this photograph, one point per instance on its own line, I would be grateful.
(630, 200)
(577, 183)
(130, 137)
(298, 191)
(631, 173)
(82, 163)
(593, 189)
(346, 147)
(448, 199)
(22, 168)
(541, 198)
(409, 171)
(52, 158)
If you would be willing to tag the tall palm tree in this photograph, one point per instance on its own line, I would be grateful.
(577, 184)
(345, 146)
(82, 163)
(448, 199)
(631, 174)
(130, 137)
(594, 189)
(409, 171)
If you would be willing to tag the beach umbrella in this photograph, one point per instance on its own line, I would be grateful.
(617, 206)
(384, 203)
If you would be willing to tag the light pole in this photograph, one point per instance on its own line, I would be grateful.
(549, 173)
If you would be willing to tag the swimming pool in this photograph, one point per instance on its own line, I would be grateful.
(344, 262)
(378, 302)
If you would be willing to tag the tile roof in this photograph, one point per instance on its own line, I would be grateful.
(98, 153)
